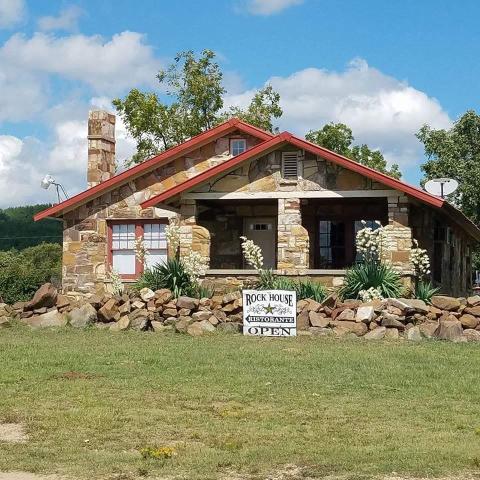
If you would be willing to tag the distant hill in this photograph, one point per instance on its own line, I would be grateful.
(18, 230)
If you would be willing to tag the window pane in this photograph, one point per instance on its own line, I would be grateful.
(124, 262)
(154, 236)
(238, 146)
(123, 236)
(155, 256)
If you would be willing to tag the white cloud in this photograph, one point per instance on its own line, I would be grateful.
(382, 111)
(12, 12)
(269, 7)
(108, 66)
(66, 20)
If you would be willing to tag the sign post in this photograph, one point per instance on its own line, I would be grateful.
(271, 313)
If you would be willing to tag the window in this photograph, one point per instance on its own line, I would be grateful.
(290, 165)
(261, 226)
(122, 238)
(331, 236)
(237, 146)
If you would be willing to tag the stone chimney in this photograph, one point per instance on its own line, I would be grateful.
(101, 147)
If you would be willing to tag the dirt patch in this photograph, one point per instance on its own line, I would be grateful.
(27, 476)
(72, 375)
(12, 433)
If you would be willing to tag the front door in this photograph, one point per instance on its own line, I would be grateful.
(263, 232)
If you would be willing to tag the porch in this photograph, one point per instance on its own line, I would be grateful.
(306, 237)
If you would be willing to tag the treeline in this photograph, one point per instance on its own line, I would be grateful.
(19, 231)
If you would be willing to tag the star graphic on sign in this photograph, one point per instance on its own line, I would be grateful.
(268, 309)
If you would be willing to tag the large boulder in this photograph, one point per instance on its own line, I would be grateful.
(413, 334)
(4, 322)
(365, 314)
(122, 324)
(416, 304)
(45, 296)
(200, 316)
(182, 324)
(346, 315)
(230, 327)
(471, 335)
(449, 330)
(139, 319)
(195, 329)
(473, 301)
(109, 311)
(475, 311)
(146, 294)
(49, 319)
(428, 329)
(469, 321)
(376, 334)
(343, 327)
(187, 302)
(83, 316)
(445, 303)
(303, 320)
(392, 321)
(318, 320)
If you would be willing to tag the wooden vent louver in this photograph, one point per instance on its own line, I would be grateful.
(290, 165)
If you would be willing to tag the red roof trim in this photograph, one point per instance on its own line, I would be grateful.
(305, 145)
(155, 162)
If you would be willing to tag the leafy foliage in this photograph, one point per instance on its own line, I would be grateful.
(338, 137)
(363, 276)
(22, 272)
(172, 275)
(424, 290)
(18, 230)
(195, 90)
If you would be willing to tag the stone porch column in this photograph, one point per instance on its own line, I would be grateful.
(293, 241)
(398, 235)
(193, 237)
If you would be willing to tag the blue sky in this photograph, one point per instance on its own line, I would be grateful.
(384, 68)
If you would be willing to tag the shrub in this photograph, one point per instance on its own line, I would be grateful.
(304, 288)
(170, 274)
(371, 274)
(22, 272)
(424, 290)
(310, 289)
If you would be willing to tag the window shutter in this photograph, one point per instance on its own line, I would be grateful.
(290, 165)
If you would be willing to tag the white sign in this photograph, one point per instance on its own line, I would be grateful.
(270, 313)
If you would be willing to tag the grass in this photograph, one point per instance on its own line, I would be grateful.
(92, 400)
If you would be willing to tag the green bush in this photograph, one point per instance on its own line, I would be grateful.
(172, 275)
(310, 289)
(424, 290)
(22, 272)
(363, 276)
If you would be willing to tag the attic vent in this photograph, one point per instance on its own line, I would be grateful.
(290, 165)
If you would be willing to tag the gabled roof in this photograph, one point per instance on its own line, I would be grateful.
(153, 163)
(286, 137)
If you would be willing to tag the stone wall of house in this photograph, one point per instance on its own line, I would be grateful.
(85, 228)
(264, 175)
(293, 245)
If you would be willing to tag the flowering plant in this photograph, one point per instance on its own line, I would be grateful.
(370, 294)
(252, 253)
(369, 241)
(195, 266)
(116, 280)
(141, 251)
(172, 232)
(420, 260)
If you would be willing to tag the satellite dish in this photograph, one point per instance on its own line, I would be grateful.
(441, 186)
(47, 181)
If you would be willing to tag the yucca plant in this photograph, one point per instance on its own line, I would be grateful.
(310, 289)
(170, 274)
(371, 274)
(424, 290)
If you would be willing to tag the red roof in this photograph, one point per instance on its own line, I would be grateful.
(287, 137)
(153, 163)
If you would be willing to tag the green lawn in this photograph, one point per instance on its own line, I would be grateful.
(228, 404)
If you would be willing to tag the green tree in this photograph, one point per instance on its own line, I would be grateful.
(195, 92)
(339, 138)
(455, 153)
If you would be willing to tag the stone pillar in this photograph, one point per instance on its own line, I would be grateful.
(193, 237)
(398, 235)
(293, 241)
(101, 147)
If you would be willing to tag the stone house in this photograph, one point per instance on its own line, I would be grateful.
(300, 202)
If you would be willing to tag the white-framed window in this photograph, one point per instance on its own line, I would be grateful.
(155, 242)
(122, 237)
(290, 168)
(237, 146)
(123, 248)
